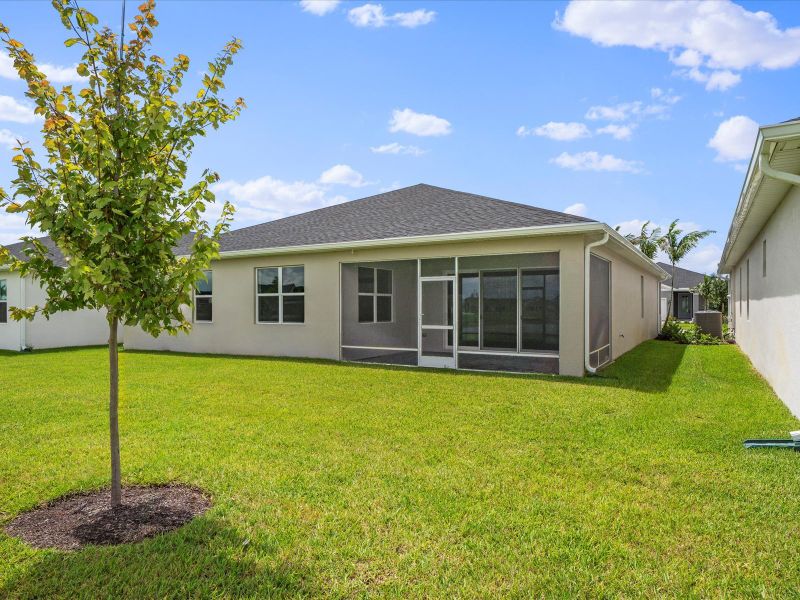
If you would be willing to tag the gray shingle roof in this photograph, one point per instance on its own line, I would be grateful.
(418, 210)
(16, 250)
(684, 278)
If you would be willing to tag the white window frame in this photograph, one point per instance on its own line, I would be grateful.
(207, 296)
(375, 295)
(279, 295)
(4, 302)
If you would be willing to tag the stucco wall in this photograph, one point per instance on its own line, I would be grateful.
(770, 336)
(234, 330)
(10, 332)
(73, 328)
(76, 328)
(628, 327)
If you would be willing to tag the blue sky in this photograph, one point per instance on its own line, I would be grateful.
(621, 112)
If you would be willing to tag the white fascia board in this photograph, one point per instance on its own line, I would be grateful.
(747, 197)
(490, 234)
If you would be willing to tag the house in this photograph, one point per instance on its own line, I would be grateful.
(762, 256)
(430, 277)
(685, 301)
(76, 328)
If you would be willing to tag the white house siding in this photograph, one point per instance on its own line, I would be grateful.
(770, 335)
(234, 330)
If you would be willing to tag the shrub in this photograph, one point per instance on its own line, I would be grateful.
(686, 333)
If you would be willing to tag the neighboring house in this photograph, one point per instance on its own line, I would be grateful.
(426, 276)
(762, 255)
(76, 328)
(685, 301)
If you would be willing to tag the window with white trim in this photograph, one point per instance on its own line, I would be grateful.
(280, 294)
(374, 295)
(203, 299)
(3, 301)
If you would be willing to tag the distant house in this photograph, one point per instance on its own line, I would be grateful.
(762, 255)
(685, 301)
(426, 276)
(76, 328)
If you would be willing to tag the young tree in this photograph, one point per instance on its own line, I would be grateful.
(715, 290)
(676, 246)
(646, 240)
(111, 192)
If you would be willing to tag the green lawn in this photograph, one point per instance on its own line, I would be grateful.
(342, 480)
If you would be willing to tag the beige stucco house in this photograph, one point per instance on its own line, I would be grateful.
(76, 328)
(762, 255)
(430, 277)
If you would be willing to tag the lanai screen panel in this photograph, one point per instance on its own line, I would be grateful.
(508, 310)
(599, 311)
(379, 312)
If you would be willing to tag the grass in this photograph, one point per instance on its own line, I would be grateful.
(350, 481)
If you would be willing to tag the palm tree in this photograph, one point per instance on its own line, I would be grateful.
(647, 241)
(676, 247)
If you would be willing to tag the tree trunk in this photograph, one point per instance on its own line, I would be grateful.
(113, 413)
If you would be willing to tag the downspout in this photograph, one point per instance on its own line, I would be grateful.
(766, 169)
(22, 330)
(586, 266)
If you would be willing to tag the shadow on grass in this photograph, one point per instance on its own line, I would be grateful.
(648, 368)
(201, 560)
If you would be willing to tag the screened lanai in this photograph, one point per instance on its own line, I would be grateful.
(498, 312)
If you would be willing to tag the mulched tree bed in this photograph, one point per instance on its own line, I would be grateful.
(79, 520)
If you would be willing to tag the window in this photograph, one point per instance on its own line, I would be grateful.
(280, 295)
(3, 301)
(641, 292)
(374, 295)
(764, 258)
(748, 288)
(203, 299)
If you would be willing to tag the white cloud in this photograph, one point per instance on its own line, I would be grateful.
(717, 34)
(373, 15)
(8, 138)
(579, 209)
(12, 227)
(418, 123)
(414, 18)
(703, 259)
(55, 73)
(666, 96)
(395, 148)
(634, 226)
(626, 110)
(16, 112)
(713, 80)
(734, 139)
(268, 198)
(618, 132)
(319, 7)
(563, 132)
(343, 175)
(594, 161)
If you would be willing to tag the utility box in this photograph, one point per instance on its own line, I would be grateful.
(710, 322)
